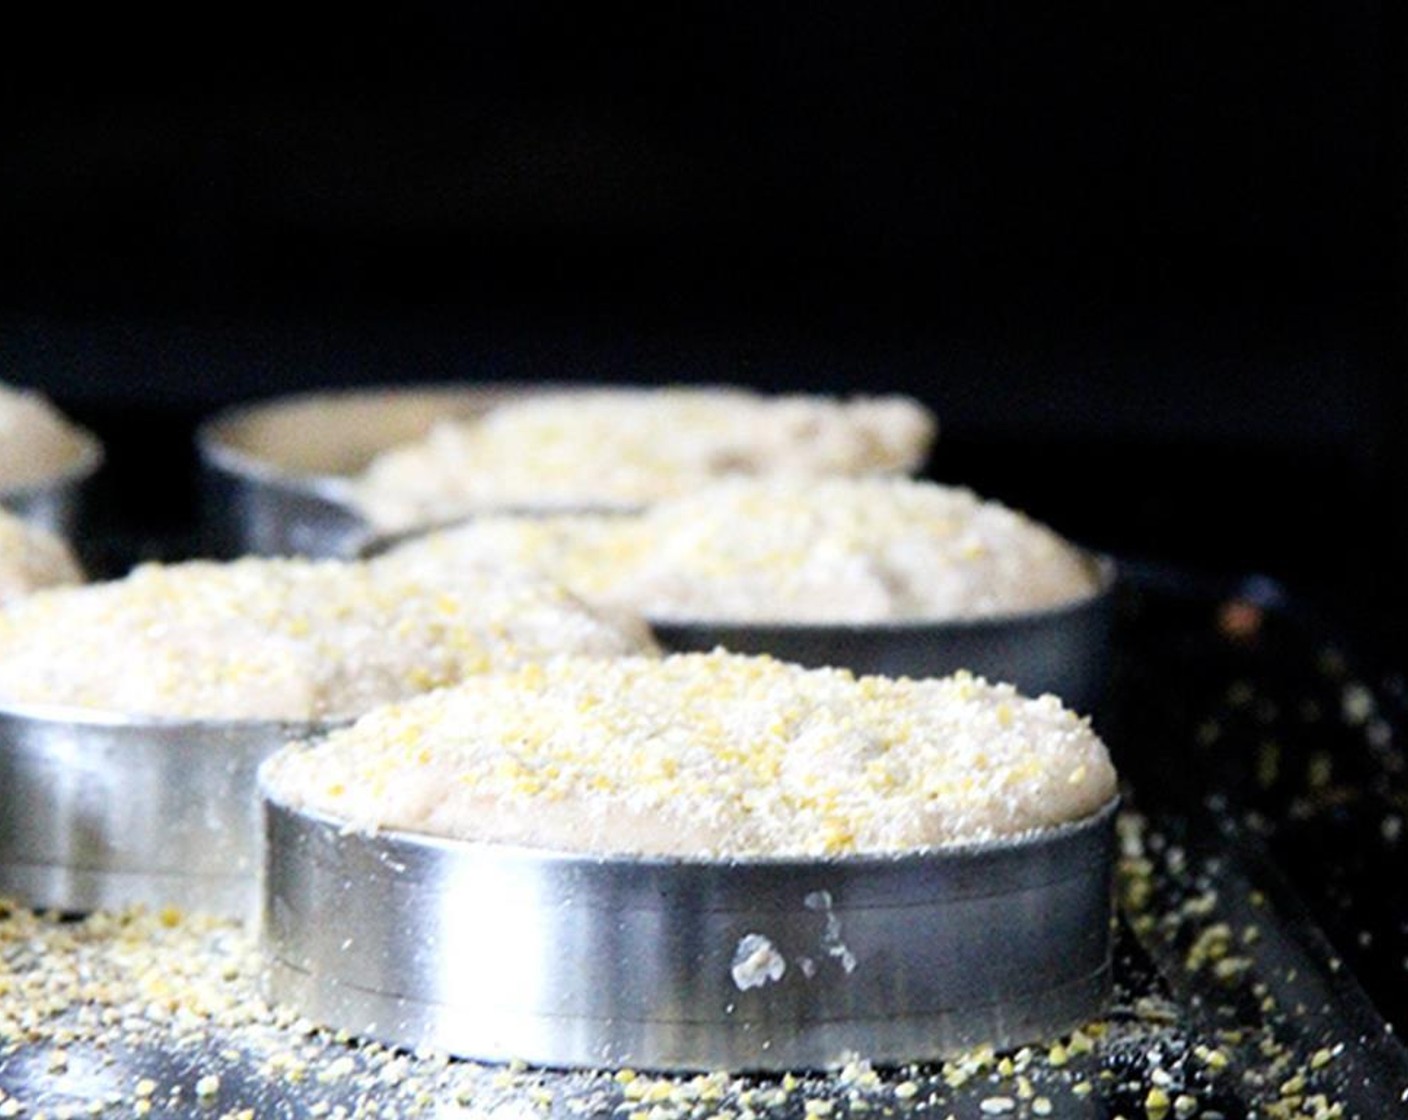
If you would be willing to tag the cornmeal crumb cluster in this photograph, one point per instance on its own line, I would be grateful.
(622, 448)
(707, 755)
(790, 550)
(284, 639)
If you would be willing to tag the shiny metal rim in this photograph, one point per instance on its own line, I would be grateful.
(499, 953)
(114, 810)
(55, 503)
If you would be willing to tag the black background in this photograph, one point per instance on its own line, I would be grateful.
(1143, 259)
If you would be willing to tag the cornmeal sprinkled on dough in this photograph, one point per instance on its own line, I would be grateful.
(36, 441)
(32, 558)
(708, 755)
(285, 639)
(786, 550)
(624, 448)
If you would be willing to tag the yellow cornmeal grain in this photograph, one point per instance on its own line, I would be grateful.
(284, 639)
(37, 443)
(623, 448)
(788, 550)
(32, 558)
(711, 755)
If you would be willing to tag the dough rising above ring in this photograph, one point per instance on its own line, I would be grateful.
(713, 756)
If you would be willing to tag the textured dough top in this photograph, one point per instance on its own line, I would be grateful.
(32, 558)
(36, 442)
(787, 550)
(706, 755)
(284, 639)
(625, 448)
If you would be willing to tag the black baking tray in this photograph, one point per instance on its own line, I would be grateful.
(1261, 938)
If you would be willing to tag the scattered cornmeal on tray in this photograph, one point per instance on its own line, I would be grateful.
(32, 558)
(789, 550)
(706, 755)
(285, 639)
(37, 442)
(626, 448)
